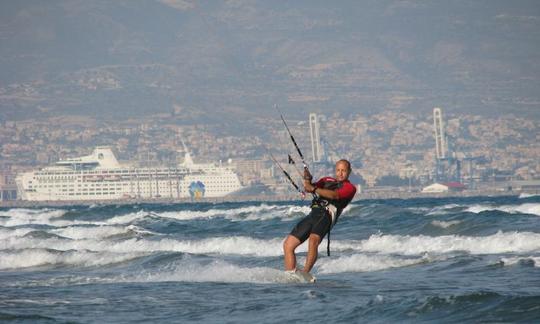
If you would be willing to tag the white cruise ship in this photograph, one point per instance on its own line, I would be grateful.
(99, 176)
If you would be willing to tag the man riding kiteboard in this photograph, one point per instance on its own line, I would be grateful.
(331, 196)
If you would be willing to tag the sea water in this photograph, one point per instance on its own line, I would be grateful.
(444, 260)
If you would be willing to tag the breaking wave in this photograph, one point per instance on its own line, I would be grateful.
(524, 195)
(530, 260)
(528, 208)
(501, 242)
(445, 224)
(22, 216)
(53, 217)
(405, 245)
(365, 263)
(35, 257)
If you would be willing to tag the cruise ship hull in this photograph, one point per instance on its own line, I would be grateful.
(88, 179)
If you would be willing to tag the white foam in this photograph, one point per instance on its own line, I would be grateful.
(139, 230)
(524, 195)
(18, 217)
(94, 238)
(124, 219)
(434, 211)
(24, 216)
(528, 208)
(6, 232)
(515, 260)
(479, 208)
(185, 270)
(501, 242)
(251, 213)
(442, 210)
(52, 217)
(216, 271)
(346, 211)
(445, 224)
(420, 210)
(364, 263)
(78, 232)
(86, 232)
(299, 210)
(45, 301)
(41, 257)
(240, 245)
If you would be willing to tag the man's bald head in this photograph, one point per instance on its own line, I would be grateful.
(343, 170)
(346, 162)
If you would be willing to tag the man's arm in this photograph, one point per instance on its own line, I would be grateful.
(325, 193)
(310, 187)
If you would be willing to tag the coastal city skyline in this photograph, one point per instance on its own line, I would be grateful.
(386, 149)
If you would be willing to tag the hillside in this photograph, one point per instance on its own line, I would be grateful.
(217, 62)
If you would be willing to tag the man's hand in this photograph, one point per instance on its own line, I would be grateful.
(308, 186)
(307, 175)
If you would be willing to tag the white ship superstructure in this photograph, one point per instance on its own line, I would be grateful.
(99, 176)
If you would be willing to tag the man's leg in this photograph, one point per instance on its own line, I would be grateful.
(289, 245)
(313, 247)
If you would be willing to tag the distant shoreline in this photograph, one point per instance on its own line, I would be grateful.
(367, 195)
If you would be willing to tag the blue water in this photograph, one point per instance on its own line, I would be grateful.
(443, 260)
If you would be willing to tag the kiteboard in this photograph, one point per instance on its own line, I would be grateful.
(301, 276)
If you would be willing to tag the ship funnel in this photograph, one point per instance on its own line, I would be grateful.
(188, 161)
(105, 157)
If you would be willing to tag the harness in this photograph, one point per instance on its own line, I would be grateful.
(329, 206)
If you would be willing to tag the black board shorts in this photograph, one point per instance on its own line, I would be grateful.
(317, 222)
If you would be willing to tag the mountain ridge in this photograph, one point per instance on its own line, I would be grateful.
(125, 58)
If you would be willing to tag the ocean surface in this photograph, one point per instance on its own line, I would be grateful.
(441, 260)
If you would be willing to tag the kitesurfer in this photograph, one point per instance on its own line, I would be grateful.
(332, 195)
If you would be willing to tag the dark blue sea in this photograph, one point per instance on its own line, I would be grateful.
(416, 260)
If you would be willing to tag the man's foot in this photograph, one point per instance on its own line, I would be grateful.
(306, 276)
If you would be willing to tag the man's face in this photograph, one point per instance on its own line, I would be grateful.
(342, 171)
